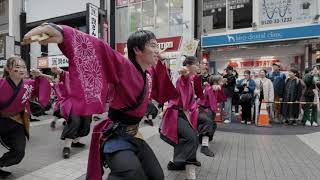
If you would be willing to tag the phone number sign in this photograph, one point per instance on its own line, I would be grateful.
(279, 12)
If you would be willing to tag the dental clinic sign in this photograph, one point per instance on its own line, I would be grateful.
(279, 12)
(304, 32)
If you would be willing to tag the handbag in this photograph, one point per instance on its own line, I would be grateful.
(247, 97)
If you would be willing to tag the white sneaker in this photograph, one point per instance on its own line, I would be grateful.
(308, 123)
(249, 122)
(227, 121)
(315, 124)
(242, 122)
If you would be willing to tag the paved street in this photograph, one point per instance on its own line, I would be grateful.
(242, 153)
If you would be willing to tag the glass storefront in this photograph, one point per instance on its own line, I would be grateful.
(163, 17)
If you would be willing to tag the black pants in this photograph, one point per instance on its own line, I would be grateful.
(206, 125)
(246, 111)
(186, 149)
(12, 136)
(76, 127)
(152, 110)
(138, 164)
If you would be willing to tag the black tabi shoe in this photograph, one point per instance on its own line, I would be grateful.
(77, 145)
(4, 174)
(206, 151)
(53, 124)
(34, 120)
(174, 167)
(148, 121)
(66, 153)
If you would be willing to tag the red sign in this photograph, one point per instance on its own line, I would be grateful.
(172, 44)
(256, 63)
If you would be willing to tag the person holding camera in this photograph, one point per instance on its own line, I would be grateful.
(246, 88)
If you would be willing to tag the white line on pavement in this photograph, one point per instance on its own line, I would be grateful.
(74, 167)
(311, 140)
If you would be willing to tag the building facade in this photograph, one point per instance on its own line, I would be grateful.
(9, 30)
(250, 34)
(172, 21)
(86, 16)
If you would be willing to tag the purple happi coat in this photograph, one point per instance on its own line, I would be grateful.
(186, 101)
(60, 92)
(38, 89)
(209, 99)
(95, 70)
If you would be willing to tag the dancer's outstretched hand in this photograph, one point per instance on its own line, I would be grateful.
(44, 34)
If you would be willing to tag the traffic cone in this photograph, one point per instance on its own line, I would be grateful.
(263, 120)
(218, 118)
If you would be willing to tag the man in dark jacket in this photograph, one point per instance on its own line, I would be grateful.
(229, 85)
(278, 79)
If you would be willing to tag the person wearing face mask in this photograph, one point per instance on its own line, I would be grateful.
(246, 88)
(278, 79)
(292, 93)
(311, 94)
(16, 92)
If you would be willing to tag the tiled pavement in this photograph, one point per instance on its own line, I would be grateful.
(250, 153)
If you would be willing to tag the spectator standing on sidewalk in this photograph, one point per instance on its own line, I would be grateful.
(265, 91)
(311, 95)
(278, 79)
(292, 93)
(246, 88)
(236, 96)
(229, 85)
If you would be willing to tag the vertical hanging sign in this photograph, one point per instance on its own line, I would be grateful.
(93, 20)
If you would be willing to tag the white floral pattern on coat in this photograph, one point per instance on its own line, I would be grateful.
(27, 94)
(149, 81)
(88, 67)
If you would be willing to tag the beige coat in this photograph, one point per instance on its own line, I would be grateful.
(268, 91)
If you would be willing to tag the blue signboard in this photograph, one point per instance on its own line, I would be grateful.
(304, 32)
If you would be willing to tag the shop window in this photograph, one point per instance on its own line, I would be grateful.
(239, 14)
(148, 15)
(122, 21)
(162, 18)
(3, 9)
(176, 17)
(4, 6)
(2, 45)
(135, 17)
(214, 15)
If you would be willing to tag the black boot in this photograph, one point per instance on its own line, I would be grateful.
(4, 174)
(66, 152)
(206, 151)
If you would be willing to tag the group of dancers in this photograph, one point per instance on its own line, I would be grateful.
(94, 70)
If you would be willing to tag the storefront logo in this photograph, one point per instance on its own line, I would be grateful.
(231, 38)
